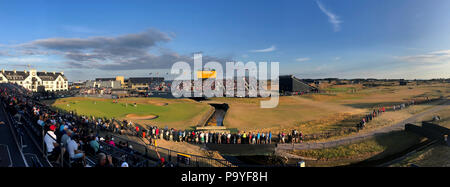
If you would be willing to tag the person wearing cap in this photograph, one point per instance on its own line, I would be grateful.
(50, 139)
(162, 162)
(124, 165)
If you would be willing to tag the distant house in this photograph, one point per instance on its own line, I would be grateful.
(36, 81)
(403, 83)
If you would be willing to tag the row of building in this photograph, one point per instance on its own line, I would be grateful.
(119, 82)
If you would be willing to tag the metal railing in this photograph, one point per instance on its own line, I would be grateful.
(154, 153)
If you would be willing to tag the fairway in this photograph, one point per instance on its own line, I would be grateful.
(339, 109)
(179, 113)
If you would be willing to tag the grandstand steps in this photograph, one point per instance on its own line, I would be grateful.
(8, 140)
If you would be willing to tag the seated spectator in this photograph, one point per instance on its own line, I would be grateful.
(94, 144)
(66, 137)
(104, 161)
(50, 140)
(41, 122)
(74, 152)
(111, 142)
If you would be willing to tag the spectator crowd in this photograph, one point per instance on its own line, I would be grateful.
(68, 138)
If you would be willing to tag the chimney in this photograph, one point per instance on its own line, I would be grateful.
(54, 73)
(62, 72)
(25, 71)
(15, 71)
(3, 71)
(45, 72)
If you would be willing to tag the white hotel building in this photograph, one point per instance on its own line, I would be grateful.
(36, 81)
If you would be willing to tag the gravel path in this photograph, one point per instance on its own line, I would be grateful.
(362, 136)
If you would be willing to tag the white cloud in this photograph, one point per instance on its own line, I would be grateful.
(79, 29)
(337, 58)
(332, 18)
(302, 59)
(270, 49)
(442, 56)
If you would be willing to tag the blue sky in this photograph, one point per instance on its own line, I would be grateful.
(310, 38)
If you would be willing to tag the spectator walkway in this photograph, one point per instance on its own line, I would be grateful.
(362, 136)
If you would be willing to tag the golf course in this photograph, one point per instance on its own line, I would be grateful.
(338, 109)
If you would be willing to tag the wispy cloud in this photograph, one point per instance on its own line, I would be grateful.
(23, 59)
(337, 58)
(270, 49)
(79, 29)
(442, 56)
(332, 18)
(302, 59)
(4, 53)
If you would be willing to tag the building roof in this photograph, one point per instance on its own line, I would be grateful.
(15, 76)
(144, 80)
(105, 79)
(22, 75)
(46, 76)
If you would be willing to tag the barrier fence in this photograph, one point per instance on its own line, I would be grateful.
(154, 153)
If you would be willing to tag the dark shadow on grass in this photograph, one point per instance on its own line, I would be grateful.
(372, 105)
(397, 144)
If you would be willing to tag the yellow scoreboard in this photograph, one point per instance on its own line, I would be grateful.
(206, 74)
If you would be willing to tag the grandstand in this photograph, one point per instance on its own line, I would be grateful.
(24, 113)
(290, 85)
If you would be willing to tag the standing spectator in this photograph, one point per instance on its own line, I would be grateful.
(270, 137)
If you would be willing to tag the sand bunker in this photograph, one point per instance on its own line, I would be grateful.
(139, 117)
(157, 103)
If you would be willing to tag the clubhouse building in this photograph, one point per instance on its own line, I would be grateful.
(36, 81)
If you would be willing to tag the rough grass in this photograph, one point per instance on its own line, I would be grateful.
(374, 148)
(436, 156)
(177, 114)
